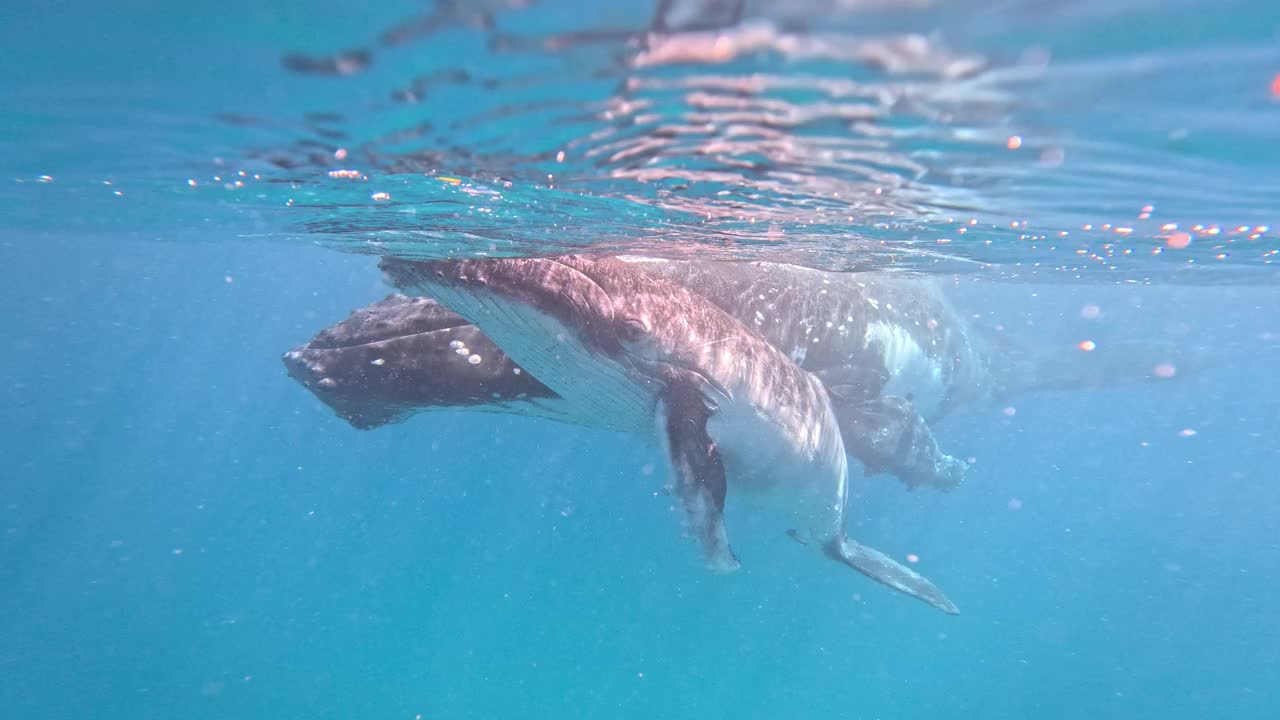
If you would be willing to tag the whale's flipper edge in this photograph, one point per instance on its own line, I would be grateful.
(698, 473)
(883, 569)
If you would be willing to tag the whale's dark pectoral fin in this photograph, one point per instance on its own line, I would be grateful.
(884, 569)
(888, 435)
(699, 474)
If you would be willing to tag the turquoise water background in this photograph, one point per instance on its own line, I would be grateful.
(184, 531)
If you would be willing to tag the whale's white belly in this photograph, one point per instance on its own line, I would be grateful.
(767, 470)
(912, 371)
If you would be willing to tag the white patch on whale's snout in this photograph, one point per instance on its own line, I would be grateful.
(912, 372)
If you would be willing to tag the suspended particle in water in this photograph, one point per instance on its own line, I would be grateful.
(1177, 240)
(1088, 345)
(1187, 432)
(1165, 370)
(1015, 504)
(1052, 157)
(1010, 411)
(913, 558)
(1090, 312)
(1014, 142)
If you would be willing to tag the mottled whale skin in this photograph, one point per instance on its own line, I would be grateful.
(891, 351)
(880, 344)
(403, 354)
(637, 353)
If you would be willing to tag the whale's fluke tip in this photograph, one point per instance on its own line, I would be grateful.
(884, 569)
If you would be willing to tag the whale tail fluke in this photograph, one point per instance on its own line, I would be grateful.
(883, 569)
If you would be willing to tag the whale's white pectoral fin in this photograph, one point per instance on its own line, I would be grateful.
(884, 569)
(698, 473)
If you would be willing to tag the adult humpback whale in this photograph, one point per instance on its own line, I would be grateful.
(882, 344)
(624, 347)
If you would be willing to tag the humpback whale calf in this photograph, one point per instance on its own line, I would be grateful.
(877, 341)
(634, 352)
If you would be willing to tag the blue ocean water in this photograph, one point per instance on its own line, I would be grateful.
(185, 530)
